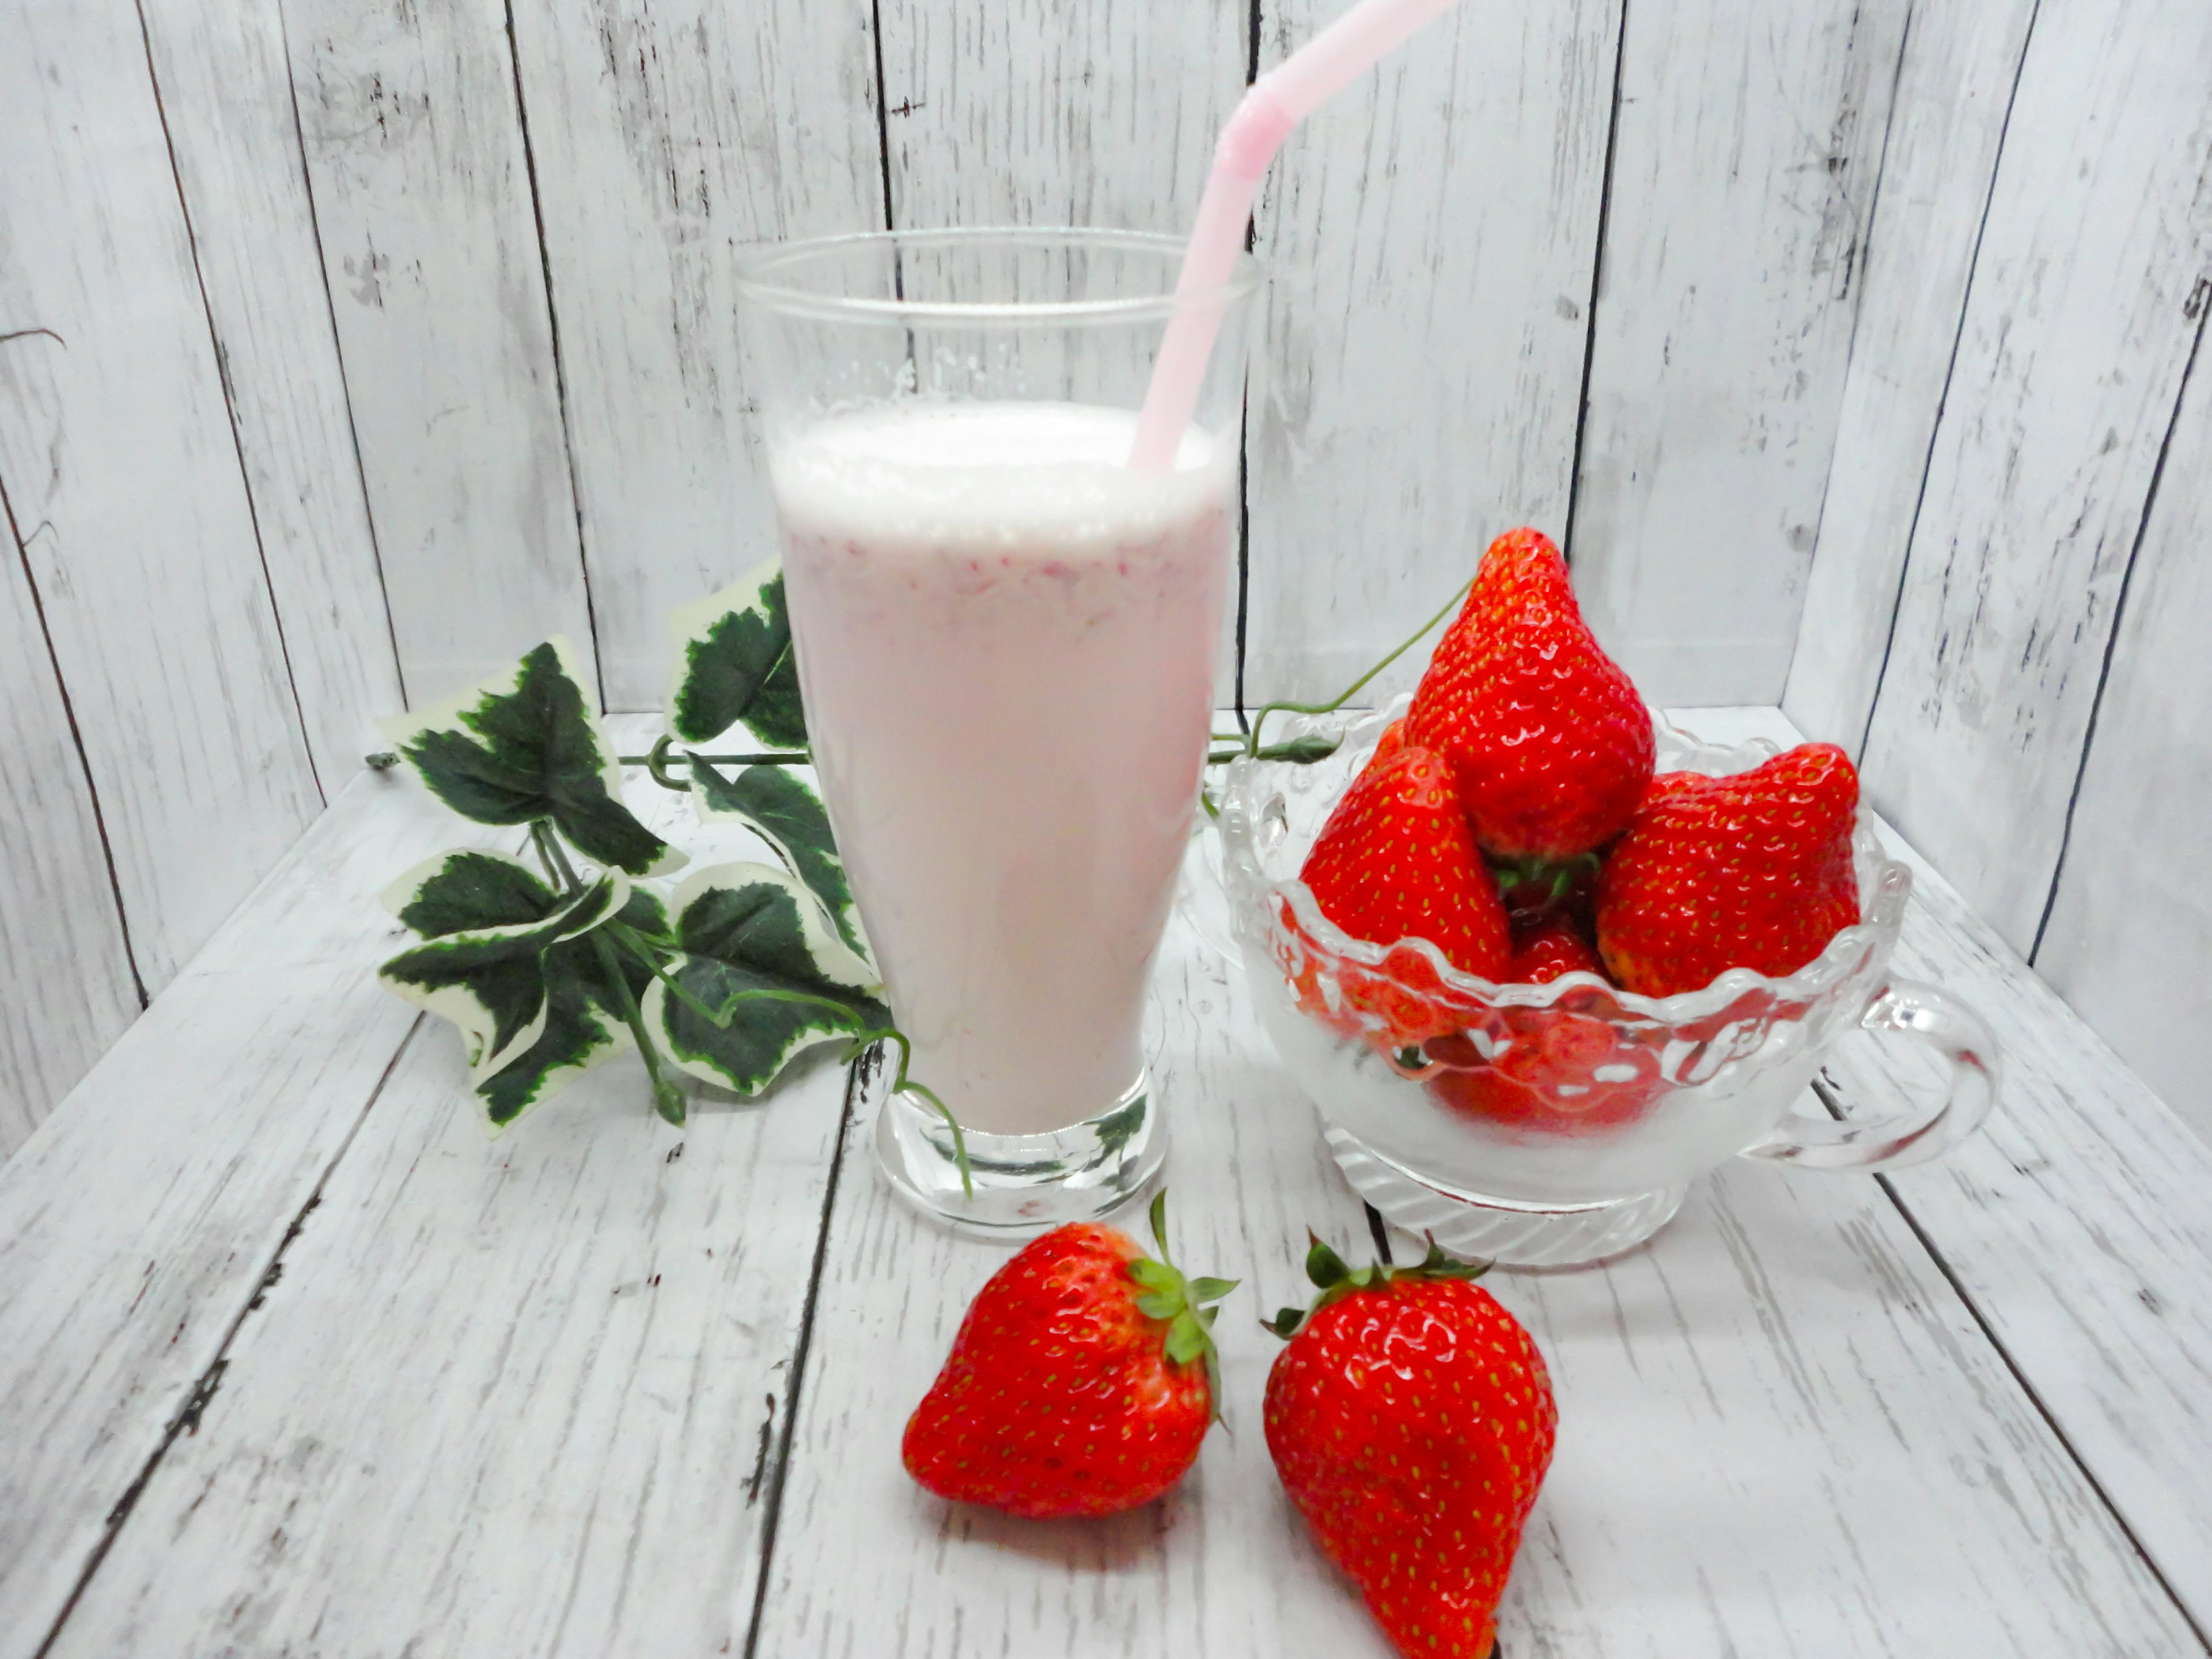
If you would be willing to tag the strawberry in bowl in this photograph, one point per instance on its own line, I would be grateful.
(1534, 1049)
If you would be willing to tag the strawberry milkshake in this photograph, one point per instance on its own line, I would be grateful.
(1006, 640)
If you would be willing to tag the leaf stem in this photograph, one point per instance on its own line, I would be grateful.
(902, 1083)
(662, 756)
(668, 1097)
(1260, 714)
(557, 868)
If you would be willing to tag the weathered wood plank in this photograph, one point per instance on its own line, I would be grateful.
(70, 990)
(2075, 1221)
(225, 89)
(137, 1219)
(667, 134)
(1938, 163)
(1744, 167)
(124, 480)
(2084, 309)
(520, 1398)
(1037, 113)
(2129, 932)
(415, 152)
(1782, 1432)
(1432, 236)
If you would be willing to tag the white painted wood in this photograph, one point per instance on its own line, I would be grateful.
(415, 153)
(70, 992)
(2076, 331)
(666, 136)
(1037, 113)
(2075, 1221)
(226, 91)
(137, 1219)
(1782, 1433)
(123, 477)
(1432, 234)
(1748, 144)
(1938, 162)
(2129, 936)
(515, 1398)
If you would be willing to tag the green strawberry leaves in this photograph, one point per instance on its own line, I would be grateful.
(527, 745)
(735, 665)
(1182, 1302)
(780, 808)
(506, 960)
(759, 974)
(1335, 1281)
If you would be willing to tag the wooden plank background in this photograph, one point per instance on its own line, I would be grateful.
(345, 351)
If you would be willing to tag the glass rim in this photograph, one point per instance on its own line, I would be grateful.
(761, 263)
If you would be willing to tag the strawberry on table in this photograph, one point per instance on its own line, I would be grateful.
(1549, 744)
(1395, 861)
(1750, 871)
(1411, 1419)
(1081, 1382)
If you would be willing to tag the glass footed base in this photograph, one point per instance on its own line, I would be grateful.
(1498, 1230)
(1025, 1184)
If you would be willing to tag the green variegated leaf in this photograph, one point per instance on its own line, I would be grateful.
(735, 665)
(745, 927)
(455, 892)
(527, 743)
(781, 809)
(489, 980)
(579, 1030)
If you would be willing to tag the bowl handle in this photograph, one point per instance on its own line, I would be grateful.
(1896, 1139)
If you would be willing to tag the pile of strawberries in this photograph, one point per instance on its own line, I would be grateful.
(1409, 1415)
(1513, 821)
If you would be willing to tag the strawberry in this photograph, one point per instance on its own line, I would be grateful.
(1552, 947)
(1081, 1382)
(1411, 1419)
(1549, 745)
(1395, 861)
(1751, 871)
(1553, 1071)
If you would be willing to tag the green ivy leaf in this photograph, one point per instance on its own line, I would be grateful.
(527, 743)
(735, 665)
(745, 927)
(481, 965)
(780, 808)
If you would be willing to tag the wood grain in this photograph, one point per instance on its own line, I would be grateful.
(136, 1222)
(71, 989)
(1939, 162)
(1432, 234)
(2081, 319)
(226, 90)
(2075, 1223)
(1744, 169)
(2129, 932)
(415, 153)
(548, 1379)
(1782, 1432)
(1037, 113)
(666, 136)
(124, 480)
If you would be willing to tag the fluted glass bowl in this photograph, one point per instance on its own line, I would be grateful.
(1571, 1114)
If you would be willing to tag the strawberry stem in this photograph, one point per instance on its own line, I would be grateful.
(1182, 1302)
(1335, 1281)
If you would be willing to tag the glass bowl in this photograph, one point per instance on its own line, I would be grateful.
(1549, 1124)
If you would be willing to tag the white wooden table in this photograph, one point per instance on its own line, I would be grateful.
(292, 1363)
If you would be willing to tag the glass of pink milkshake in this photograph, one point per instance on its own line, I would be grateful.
(1008, 639)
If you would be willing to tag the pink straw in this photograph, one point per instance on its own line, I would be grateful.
(1273, 104)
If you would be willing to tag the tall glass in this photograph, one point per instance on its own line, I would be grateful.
(1006, 638)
